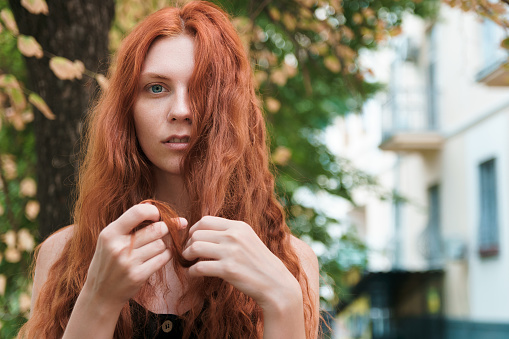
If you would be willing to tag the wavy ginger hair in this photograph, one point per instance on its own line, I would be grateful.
(226, 171)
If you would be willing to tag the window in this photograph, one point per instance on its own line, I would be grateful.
(488, 226)
(491, 36)
(430, 240)
(431, 80)
(435, 238)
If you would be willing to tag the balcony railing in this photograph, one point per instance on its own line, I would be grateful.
(409, 121)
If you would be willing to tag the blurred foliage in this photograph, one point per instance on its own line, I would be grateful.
(495, 11)
(305, 57)
(306, 60)
(18, 209)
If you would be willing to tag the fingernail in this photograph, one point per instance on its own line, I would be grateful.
(183, 222)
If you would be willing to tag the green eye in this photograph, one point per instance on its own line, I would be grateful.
(156, 88)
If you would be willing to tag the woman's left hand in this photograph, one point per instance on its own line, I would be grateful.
(235, 253)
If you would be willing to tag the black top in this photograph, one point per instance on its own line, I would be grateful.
(149, 325)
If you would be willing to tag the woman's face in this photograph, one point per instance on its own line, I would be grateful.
(162, 116)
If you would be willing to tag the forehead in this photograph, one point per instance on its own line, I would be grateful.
(170, 56)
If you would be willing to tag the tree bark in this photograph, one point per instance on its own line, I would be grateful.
(76, 30)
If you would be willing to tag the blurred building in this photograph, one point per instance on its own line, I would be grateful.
(439, 256)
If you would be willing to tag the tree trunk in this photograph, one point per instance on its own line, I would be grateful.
(76, 30)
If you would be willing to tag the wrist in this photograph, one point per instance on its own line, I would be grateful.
(283, 317)
(284, 301)
(92, 316)
(101, 306)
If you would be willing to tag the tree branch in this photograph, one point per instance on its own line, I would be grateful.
(260, 8)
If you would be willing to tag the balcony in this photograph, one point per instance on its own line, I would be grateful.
(409, 122)
(496, 73)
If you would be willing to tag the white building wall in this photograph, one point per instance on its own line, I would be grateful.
(474, 120)
(475, 132)
(489, 277)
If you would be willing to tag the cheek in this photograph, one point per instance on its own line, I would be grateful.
(141, 120)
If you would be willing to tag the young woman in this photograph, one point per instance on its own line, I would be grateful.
(180, 123)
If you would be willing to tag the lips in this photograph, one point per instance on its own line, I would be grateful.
(177, 142)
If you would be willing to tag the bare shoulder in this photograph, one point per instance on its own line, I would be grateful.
(309, 263)
(53, 246)
(306, 255)
(48, 253)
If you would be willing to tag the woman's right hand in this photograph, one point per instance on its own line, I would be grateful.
(121, 264)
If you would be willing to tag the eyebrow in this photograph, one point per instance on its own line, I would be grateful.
(154, 75)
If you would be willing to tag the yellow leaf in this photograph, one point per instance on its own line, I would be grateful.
(12, 255)
(290, 70)
(35, 6)
(27, 187)
(9, 81)
(27, 116)
(505, 43)
(241, 23)
(17, 99)
(32, 209)
(9, 21)
(3, 284)
(273, 105)
(26, 241)
(332, 63)
(307, 3)
(395, 31)
(278, 77)
(9, 166)
(39, 103)
(29, 47)
(289, 21)
(274, 13)
(79, 67)
(102, 81)
(319, 48)
(357, 18)
(281, 155)
(369, 13)
(9, 238)
(260, 77)
(15, 118)
(345, 52)
(24, 301)
(65, 69)
(347, 32)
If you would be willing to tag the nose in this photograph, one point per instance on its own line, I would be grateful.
(180, 110)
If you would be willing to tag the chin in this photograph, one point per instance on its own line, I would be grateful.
(166, 170)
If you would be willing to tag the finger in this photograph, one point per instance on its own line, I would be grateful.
(134, 216)
(182, 223)
(208, 268)
(149, 251)
(210, 223)
(154, 264)
(205, 235)
(150, 233)
(202, 249)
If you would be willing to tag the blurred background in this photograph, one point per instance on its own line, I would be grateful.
(387, 123)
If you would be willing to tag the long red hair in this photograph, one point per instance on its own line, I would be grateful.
(226, 171)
